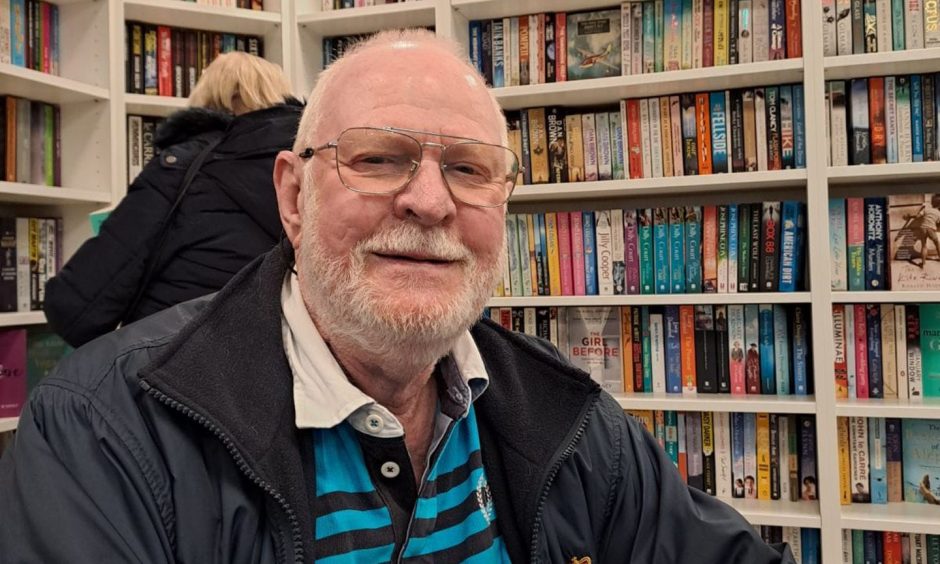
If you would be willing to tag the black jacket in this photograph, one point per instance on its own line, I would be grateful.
(173, 440)
(228, 217)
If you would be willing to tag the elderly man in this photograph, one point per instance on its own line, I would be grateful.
(340, 401)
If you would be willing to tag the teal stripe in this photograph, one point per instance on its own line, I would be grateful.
(429, 508)
(364, 556)
(495, 554)
(463, 441)
(347, 520)
(339, 461)
(447, 538)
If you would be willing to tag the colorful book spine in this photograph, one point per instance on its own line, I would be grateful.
(673, 349)
(603, 245)
(647, 269)
(722, 254)
(799, 127)
(861, 351)
(719, 132)
(661, 249)
(855, 239)
(677, 270)
(789, 247)
(917, 117)
(876, 253)
(837, 245)
(631, 251)
(877, 456)
(800, 328)
(710, 249)
(577, 253)
(840, 365)
(693, 245)
(736, 348)
(590, 254)
(733, 231)
(781, 351)
(752, 353)
(914, 362)
(564, 253)
(875, 359)
(618, 250)
(768, 381)
(688, 351)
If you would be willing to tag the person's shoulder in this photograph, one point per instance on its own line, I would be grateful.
(488, 333)
(185, 125)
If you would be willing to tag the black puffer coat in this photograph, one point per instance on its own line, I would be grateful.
(228, 217)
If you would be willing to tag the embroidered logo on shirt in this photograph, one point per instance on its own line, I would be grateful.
(582, 560)
(485, 500)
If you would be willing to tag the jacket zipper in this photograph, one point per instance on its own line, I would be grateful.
(296, 535)
(553, 472)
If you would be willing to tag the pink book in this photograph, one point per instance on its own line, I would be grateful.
(564, 253)
(631, 257)
(12, 372)
(577, 252)
(861, 352)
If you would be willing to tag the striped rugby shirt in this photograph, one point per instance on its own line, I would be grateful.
(368, 506)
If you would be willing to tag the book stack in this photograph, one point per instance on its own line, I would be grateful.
(889, 547)
(29, 35)
(327, 5)
(140, 143)
(245, 4)
(32, 253)
(878, 26)
(30, 142)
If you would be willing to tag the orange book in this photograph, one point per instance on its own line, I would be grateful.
(11, 140)
(687, 347)
(682, 459)
(893, 552)
(704, 131)
(763, 456)
(645, 417)
(533, 266)
(554, 266)
(524, 51)
(626, 345)
(710, 250)
(876, 120)
(665, 123)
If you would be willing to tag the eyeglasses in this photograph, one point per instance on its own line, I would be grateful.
(373, 160)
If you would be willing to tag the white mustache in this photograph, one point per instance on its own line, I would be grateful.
(408, 239)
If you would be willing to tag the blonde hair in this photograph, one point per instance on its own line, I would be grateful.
(314, 113)
(258, 83)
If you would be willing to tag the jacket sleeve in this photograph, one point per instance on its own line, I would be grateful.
(655, 517)
(91, 293)
(74, 489)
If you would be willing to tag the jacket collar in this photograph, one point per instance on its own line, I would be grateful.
(228, 365)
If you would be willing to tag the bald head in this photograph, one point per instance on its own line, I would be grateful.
(412, 66)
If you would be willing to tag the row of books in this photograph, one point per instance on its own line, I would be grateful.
(887, 460)
(762, 456)
(334, 47)
(887, 351)
(636, 38)
(677, 250)
(885, 243)
(32, 253)
(889, 547)
(803, 542)
(326, 5)
(168, 61)
(878, 120)
(245, 4)
(140, 146)
(26, 357)
(29, 34)
(30, 141)
(879, 26)
(679, 349)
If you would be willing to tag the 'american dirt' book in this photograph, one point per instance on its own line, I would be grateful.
(915, 245)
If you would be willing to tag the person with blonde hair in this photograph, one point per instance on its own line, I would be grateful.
(200, 210)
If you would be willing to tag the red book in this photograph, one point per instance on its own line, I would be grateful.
(505, 318)
(687, 347)
(576, 229)
(840, 362)
(876, 120)
(794, 29)
(46, 21)
(704, 131)
(708, 34)
(564, 253)
(561, 51)
(861, 352)
(634, 138)
(12, 372)
(892, 548)
(164, 61)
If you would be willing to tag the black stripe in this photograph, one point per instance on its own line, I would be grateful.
(448, 518)
(472, 545)
(338, 501)
(354, 540)
(458, 475)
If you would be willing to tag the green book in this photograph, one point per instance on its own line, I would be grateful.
(897, 25)
(44, 350)
(930, 349)
(660, 34)
(858, 547)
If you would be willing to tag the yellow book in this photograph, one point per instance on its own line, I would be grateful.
(554, 267)
(721, 32)
(533, 266)
(665, 124)
(763, 456)
(575, 145)
(845, 464)
(626, 346)
(644, 416)
(538, 145)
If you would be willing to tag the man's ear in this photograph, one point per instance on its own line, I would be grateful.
(288, 181)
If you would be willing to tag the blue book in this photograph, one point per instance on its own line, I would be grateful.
(809, 541)
(799, 128)
(800, 351)
(661, 249)
(788, 246)
(645, 235)
(737, 454)
(18, 32)
(807, 448)
(872, 554)
(476, 45)
(781, 350)
(719, 132)
(876, 254)
(590, 253)
(800, 259)
(877, 460)
(917, 118)
(672, 436)
(897, 25)
(693, 246)
(875, 367)
(919, 445)
(677, 249)
(499, 43)
(786, 126)
(673, 350)
(768, 379)
(732, 247)
(541, 255)
(647, 350)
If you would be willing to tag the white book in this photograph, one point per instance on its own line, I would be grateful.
(626, 40)
(657, 353)
(837, 245)
(618, 245)
(636, 50)
(793, 538)
(589, 138)
(781, 351)
(902, 112)
(605, 250)
(528, 321)
(760, 26)
(536, 76)
(645, 142)
(846, 546)
(830, 43)
(722, 214)
(891, 120)
(760, 125)
(915, 378)
(522, 240)
(602, 134)
(514, 47)
(883, 9)
(698, 33)
(843, 27)
(723, 477)
(919, 548)
(675, 123)
(508, 53)
(656, 137)
(900, 332)
(745, 36)
(931, 24)
(858, 433)
(839, 138)
(729, 134)
(513, 287)
(23, 295)
(889, 352)
(626, 144)
(562, 320)
(135, 147)
(850, 367)
(828, 114)
(5, 32)
(687, 35)
(914, 24)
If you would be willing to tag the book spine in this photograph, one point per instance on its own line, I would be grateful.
(781, 338)
(688, 349)
(890, 120)
(563, 220)
(618, 259)
(723, 460)
(861, 351)
(855, 237)
(752, 354)
(703, 131)
(807, 430)
(736, 343)
(843, 435)
(893, 458)
(631, 251)
(914, 363)
(800, 328)
(590, 254)
(930, 118)
(708, 453)
(889, 352)
(768, 382)
(659, 34)
(770, 243)
(737, 455)
(522, 242)
(602, 136)
(750, 455)
(577, 253)
(655, 135)
(604, 251)
(875, 359)
(917, 116)
(774, 438)
(693, 245)
(914, 24)
(589, 138)
(733, 232)
(661, 249)
(710, 249)
(666, 136)
(761, 29)
(860, 138)
(839, 361)
(646, 140)
(744, 247)
(843, 11)
(839, 140)
(850, 368)
(647, 269)
(875, 243)
(719, 132)
(871, 26)
(677, 270)
(837, 245)
(877, 451)
(721, 32)
(931, 24)
(876, 120)
(673, 360)
(745, 32)
(657, 350)
(675, 122)
(722, 254)
(756, 232)
(778, 36)
(788, 246)
(689, 134)
(830, 44)
(883, 26)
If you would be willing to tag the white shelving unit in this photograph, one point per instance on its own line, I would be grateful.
(8, 424)
(94, 109)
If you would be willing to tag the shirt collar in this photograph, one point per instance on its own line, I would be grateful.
(324, 396)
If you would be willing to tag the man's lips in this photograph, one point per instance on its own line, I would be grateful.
(416, 258)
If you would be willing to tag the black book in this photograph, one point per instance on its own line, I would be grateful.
(774, 456)
(708, 453)
(930, 118)
(706, 353)
(755, 237)
(732, 32)
(551, 47)
(721, 349)
(738, 160)
(689, 134)
(743, 275)
(770, 246)
(7, 262)
(557, 147)
(543, 323)
(487, 51)
(693, 442)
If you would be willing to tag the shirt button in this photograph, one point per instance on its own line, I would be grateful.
(390, 469)
(171, 159)
(374, 423)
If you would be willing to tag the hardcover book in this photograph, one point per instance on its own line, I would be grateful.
(594, 49)
(13, 372)
(915, 252)
(594, 344)
(921, 460)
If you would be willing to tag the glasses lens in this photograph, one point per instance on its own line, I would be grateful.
(480, 174)
(374, 160)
